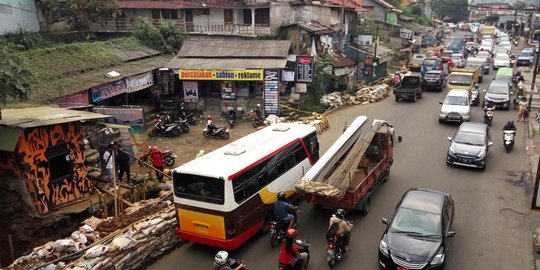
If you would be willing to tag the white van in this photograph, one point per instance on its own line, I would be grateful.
(456, 107)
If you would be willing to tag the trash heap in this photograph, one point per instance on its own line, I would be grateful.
(95, 247)
(365, 94)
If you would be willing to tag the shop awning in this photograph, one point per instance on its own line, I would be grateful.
(9, 136)
(226, 63)
(44, 116)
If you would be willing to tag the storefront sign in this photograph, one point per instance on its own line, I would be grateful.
(301, 88)
(221, 75)
(191, 91)
(304, 67)
(139, 82)
(271, 94)
(131, 116)
(108, 90)
(74, 100)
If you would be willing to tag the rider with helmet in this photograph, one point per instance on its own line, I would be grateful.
(221, 263)
(289, 254)
(258, 112)
(510, 125)
(344, 227)
(283, 210)
(488, 106)
(210, 124)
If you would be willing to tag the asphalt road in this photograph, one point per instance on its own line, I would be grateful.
(492, 220)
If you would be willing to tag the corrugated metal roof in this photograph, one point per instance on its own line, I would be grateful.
(226, 48)
(176, 4)
(44, 116)
(227, 63)
(339, 60)
(316, 28)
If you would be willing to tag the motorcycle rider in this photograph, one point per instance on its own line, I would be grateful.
(284, 210)
(509, 126)
(344, 227)
(488, 106)
(210, 125)
(220, 262)
(258, 112)
(289, 253)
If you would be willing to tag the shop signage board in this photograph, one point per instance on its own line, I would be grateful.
(271, 94)
(125, 115)
(304, 68)
(221, 75)
(77, 99)
(191, 91)
(139, 82)
(405, 33)
(108, 90)
(301, 88)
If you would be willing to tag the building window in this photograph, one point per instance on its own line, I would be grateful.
(262, 16)
(60, 164)
(247, 16)
(169, 14)
(206, 11)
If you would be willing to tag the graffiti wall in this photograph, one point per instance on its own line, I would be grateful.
(31, 163)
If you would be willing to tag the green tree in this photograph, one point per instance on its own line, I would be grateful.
(322, 80)
(81, 13)
(166, 37)
(457, 10)
(14, 83)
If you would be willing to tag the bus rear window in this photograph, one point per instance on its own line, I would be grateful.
(199, 188)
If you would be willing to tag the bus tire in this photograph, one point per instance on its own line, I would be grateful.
(266, 224)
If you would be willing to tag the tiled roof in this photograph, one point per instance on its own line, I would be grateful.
(227, 48)
(176, 4)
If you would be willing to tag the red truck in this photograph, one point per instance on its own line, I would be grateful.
(352, 168)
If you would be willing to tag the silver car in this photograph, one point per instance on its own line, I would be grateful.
(456, 107)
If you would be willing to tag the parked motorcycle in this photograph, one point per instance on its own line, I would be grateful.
(509, 136)
(256, 121)
(303, 247)
(488, 116)
(189, 117)
(169, 157)
(232, 118)
(219, 132)
(161, 129)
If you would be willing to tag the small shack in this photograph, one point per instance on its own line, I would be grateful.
(42, 155)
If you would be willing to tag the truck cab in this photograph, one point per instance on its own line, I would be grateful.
(464, 78)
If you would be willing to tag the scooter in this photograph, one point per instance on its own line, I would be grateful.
(488, 117)
(166, 129)
(256, 121)
(335, 251)
(303, 247)
(475, 96)
(232, 118)
(278, 229)
(169, 157)
(219, 132)
(509, 136)
(182, 124)
(189, 117)
(233, 263)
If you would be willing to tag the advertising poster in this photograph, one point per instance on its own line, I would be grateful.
(139, 82)
(304, 69)
(74, 100)
(271, 94)
(108, 90)
(125, 115)
(191, 91)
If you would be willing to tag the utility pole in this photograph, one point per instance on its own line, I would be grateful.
(534, 76)
(342, 22)
(376, 42)
(529, 34)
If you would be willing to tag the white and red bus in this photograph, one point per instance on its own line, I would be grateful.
(225, 197)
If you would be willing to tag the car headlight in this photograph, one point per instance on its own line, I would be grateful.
(451, 150)
(438, 259)
(482, 154)
(383, 247)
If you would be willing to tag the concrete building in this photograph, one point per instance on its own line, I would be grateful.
(18, 13)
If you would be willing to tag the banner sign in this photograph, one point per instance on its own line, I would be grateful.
(191, 91)
(405, 33)
(108, 90)
(271, 94)
(74, 100)
(126, 115)
(221, 75)
(304, 68)
(139, 82)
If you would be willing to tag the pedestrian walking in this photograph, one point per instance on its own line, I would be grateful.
(122, 160)
(108, 163)
(523, 107)
(157, 162)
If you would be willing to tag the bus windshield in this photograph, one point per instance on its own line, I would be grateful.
(199, 188)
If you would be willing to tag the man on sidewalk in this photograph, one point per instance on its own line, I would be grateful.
(157, 162)
(123, 165)
(108, 163)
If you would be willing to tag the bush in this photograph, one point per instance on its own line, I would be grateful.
(166, 37)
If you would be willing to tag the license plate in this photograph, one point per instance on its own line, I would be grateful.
(464, 160)
(401, 268)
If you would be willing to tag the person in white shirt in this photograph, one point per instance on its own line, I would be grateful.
(108, 162)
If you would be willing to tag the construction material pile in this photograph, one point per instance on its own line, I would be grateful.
(365, 94)
(125, 248)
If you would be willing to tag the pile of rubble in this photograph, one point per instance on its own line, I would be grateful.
(364, 95)
(125, 248)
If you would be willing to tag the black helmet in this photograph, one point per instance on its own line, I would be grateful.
(510, 122)
(281, 196)
(340, 213)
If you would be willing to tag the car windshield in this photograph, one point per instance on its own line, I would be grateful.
(525, 54)
(482, 54)
(458, 79)
(430, 62)
(455, 100)
(470, 138)
(417, 223)
(502, 57)
(498, 89)
(432, 75)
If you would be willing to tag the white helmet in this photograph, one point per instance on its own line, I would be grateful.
(258, 105)
(221, 257)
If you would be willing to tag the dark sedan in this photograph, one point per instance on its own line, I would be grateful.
(470, 145)
(417, 236)
(434, 79)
